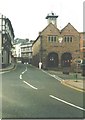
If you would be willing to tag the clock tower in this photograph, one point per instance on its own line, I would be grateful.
(52, 18)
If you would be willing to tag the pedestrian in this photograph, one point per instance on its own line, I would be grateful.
(40, 65)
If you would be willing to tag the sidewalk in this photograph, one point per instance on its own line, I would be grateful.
(10, 67)
(70, 80)
(78, 85)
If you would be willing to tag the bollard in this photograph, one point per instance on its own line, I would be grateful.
(76, 76)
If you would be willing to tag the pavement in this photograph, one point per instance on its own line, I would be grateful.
(77, 85)
(70, 80)
(10, 67)
(67, 80)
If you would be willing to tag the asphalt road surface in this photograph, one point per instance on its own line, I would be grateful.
(28, 92)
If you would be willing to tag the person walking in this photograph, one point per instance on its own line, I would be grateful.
(40, 65)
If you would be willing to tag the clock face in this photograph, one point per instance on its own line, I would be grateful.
(60, 39)
(52, 22)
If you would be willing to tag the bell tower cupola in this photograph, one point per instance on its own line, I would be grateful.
(52, 18)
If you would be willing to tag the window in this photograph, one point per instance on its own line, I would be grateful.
(49, 38)
(2, 56)
(65, 39)
(68, 39)
(52, 38)
(2, 59)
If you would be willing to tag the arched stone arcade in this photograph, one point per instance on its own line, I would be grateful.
(52, 60)
(66, 59)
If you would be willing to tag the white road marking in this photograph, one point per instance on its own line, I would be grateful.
(30, 85)
(20, 76)
(26, 69)
(22, 73)
(67, 102)
(54, 76)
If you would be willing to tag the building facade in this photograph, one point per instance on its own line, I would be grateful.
(6, 40)
(82, 44)
(23, 50)
(26, 52)
(56, 48)
(16, 51)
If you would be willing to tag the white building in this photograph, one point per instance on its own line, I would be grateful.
(23, 50)
(26, 52)
(6, 40)
(16, 52)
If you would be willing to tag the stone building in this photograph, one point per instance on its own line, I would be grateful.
(82, 44)
(54, 47)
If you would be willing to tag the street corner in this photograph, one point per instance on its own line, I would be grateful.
(74, 84)
(11, 67)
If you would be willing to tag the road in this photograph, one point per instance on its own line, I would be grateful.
(28, 92)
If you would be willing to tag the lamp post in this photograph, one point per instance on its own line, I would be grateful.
(76, 75)
(40, 56)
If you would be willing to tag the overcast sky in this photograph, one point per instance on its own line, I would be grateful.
(28, 16)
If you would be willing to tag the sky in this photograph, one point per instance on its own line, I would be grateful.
(28, 16)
